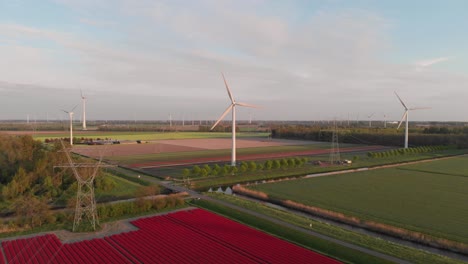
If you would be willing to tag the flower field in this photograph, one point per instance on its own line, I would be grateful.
(192, 236)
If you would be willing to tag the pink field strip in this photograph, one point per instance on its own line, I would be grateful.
(193, 236)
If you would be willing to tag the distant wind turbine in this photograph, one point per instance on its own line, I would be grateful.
(405, 117)
(370, 120)
(231, 107)
(385, 120)
(83, 99)
(70, 115)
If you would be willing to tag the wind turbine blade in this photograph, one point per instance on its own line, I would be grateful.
(420, 108)
(64, 111)
(371, 115)
(247, 105)
(73, 108)
(222, 116)
(401, 101)
(402, 118)
(227, 88)
(81, 92)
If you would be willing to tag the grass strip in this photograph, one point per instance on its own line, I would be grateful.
(316, 244)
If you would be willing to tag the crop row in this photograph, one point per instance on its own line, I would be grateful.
(182, 237)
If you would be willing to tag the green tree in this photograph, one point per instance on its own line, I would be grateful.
(234, 170)
(276, 164)
(207, 168)
(196, 170)
(244, 168)
(185, 172)
(252, 166)
(284, 163)
(203, 172)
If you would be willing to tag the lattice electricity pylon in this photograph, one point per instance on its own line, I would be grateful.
(85, 199)
(335, 147)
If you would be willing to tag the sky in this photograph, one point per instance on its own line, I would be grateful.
(297, 60)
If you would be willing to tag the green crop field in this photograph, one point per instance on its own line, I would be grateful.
(424, 201)
(145, 135)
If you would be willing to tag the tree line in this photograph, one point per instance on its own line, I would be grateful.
(406, 151)
(29, 183)
(244, 167)
(370, 136)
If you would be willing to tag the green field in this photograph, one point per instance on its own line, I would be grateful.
(407, 253)
(428, 202)
(145, 135)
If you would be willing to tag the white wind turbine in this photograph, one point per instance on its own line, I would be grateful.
(70, 115)
(232, 107)
(370, 120)
(83, 99)
(405, 117)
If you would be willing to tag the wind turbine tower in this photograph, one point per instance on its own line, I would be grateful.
(370, 120)
(385, 120)
(405, 117)
(83, 99)
(232, 108)
(70, 115)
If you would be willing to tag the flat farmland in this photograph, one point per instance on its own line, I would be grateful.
(174, 152)
(421, 197)
(191, 151)
(122, 136)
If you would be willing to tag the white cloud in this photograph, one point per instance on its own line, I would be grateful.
(326, 65)
(430, 62)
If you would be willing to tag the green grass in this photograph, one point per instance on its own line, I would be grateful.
(124, 189)
(454, 167)
(146, 135)
(376, 244)
(431, 203)
(322, 246)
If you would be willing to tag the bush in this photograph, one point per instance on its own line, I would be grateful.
(147, 191)
(159, 203)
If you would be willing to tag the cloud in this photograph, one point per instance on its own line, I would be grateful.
(430, 62)
(156, 57)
